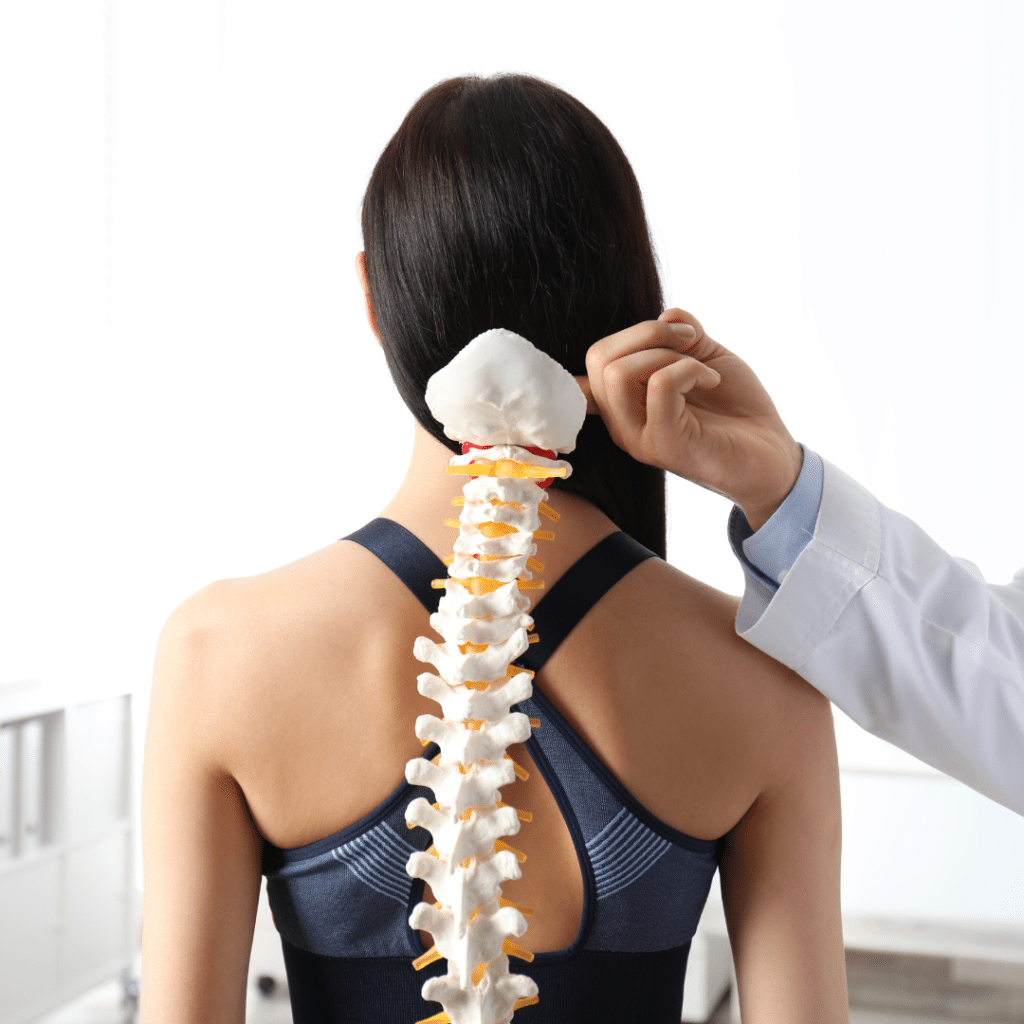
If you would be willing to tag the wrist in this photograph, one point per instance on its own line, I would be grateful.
(762, 505)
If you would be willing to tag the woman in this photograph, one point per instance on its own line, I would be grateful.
(283, 705)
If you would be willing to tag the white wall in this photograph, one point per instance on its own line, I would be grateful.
(55, 498)
(833, 190)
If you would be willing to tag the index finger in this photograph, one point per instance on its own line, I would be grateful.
(649, 334)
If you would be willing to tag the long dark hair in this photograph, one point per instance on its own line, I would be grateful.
(504, 202)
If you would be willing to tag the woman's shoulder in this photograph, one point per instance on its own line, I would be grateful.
(704, 704)
(253, 615)
(236, 636)
(698, 623)
(759, 702)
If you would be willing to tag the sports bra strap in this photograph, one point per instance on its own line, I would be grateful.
(406, 556)
(556, 615)
(578, 590)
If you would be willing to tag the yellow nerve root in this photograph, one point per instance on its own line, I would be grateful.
(522, 908)
(525, 1001)
(438, 1018)
(500, 844)
(521, 815)
(428, 958)
(521, 773)
(511, 948)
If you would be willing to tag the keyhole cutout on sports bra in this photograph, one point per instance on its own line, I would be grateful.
(552, 879)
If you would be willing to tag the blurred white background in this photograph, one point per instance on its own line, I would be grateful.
(188, 389)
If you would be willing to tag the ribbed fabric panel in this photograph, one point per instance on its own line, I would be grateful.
(378, 859)
(622, 851)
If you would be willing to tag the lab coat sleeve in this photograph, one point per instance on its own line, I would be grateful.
(910, 642)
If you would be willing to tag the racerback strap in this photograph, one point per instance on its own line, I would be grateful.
(556, 615)
(406, 556)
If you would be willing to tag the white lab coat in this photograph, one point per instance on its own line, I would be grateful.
(910, 642)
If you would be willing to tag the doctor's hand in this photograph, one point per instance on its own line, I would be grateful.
(674, 398)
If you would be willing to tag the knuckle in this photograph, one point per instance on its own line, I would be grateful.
(665, 381)
(615, 375)
(658, 385)
(653, 330)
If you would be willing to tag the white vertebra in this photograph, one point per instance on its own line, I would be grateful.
(458, 629)
(458, 792)
(457, 668)
(489, 1001)
(459, 839)
(480, 942)
(460, 745)
(491, 705)
(458, 601)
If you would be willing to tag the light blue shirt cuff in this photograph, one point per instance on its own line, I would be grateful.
(768, 554)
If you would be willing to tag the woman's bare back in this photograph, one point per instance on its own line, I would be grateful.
(316, 702)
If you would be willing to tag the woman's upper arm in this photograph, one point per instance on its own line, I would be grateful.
(780, 876)
(201, 852)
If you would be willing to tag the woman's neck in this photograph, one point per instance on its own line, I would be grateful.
(424, 501)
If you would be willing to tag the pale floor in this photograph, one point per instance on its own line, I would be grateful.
(884, 989)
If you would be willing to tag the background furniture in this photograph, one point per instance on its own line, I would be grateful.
(65, 847)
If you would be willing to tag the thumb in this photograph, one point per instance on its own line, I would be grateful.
(703, 348)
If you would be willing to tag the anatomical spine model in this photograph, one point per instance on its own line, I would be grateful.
(513, 408)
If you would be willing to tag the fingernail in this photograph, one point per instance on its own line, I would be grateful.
(683, 328)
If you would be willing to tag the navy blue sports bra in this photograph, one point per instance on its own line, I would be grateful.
(342, 904)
